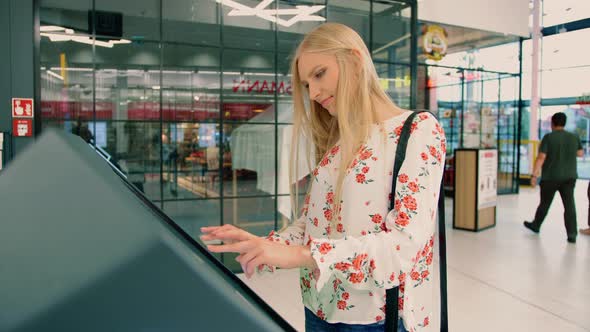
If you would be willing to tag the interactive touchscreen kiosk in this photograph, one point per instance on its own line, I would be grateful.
(82, 250)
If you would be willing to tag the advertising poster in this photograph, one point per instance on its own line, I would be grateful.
(488, 178)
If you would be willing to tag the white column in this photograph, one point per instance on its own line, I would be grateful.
(535, 99)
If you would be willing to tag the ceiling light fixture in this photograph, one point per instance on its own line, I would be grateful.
(59, 34)
(300, 13)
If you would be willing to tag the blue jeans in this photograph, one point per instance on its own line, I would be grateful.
(315, 324)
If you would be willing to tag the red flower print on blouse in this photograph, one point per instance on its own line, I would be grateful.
(426, 321)
(345, 295)
(414, 275)
(403, 178)
(425, 274)
(320, 314)
(330, 197)
(360, 178)
(358, 261)
(433, 151)
(328, 214)
(337, 282)
(356, 278)
(383, 227)
(365, 169)
(397, 205)
(342, 266)
(410, 203)
(378, 318)
(402, 219)
(376, 218)
(315, 221)
(413, 186)
(340, 228)
(305, 283)
(325, 248)
(423, 116)
(366, 154)
(424, 156)
(341, 305)
(392, 277)
(335, 150)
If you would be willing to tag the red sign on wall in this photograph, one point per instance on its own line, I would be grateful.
(22, 107)
(22, 127)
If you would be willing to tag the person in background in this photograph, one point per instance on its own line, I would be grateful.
(557, 166)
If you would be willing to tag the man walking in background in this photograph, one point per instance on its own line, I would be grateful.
(557, 160)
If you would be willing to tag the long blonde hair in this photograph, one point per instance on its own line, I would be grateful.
(357, 92)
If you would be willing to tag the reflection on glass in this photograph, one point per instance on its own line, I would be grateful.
(248, 32)
(194, 214)
(250, 149)
(194, 22)
(395, 80)
(391, 32)
(354, 14)
(256, 215)
(190, 156)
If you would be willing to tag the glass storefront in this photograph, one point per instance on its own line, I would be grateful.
(192, 102)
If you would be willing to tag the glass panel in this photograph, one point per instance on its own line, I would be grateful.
(256, 215)
(66, 65)
(290, 36)
(489, 111)
(354, 14)
(391, 32)
(194, 214)
(507, 124)
(194, 22)
(191, 160)
(248, 32)
(141, 21)
(583, 126)
(395, 79)
(135, 149)
(250, 158)
(444, 98)
(249, 86)
(472, 114)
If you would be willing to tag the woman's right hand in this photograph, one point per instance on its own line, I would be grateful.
(226, 233)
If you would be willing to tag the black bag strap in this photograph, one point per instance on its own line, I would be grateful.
(392, 294)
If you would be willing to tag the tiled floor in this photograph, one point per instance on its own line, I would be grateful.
(501, 279)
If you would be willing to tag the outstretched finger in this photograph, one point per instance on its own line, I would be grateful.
(209, 229)
(238, 247)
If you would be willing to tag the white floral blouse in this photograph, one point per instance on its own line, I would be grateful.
(372, 249)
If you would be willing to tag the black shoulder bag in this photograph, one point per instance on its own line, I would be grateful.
(392, 294)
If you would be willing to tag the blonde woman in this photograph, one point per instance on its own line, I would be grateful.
(347, 244)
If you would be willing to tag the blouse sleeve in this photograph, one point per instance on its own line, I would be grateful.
(381, 260)
(294, 233)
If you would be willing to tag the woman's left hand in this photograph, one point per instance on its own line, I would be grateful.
(259, 251)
